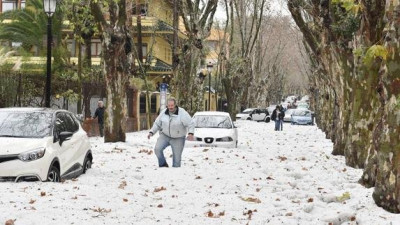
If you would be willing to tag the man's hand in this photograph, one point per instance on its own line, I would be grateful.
(190, 137)
(149, 135)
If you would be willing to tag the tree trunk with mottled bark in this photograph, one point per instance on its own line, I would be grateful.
(118, 62)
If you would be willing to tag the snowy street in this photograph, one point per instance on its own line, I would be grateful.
(273, 177)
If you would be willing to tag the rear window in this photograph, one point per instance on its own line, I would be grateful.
(25, 124)
(301, 113)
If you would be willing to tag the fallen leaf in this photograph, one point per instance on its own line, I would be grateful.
(32, 201)
(282, 158)
(345, 196)
(289, 214)
(42, 193)
(101, 210)
(160, 189)
(205, 150)
(249, 213)
(353, 218)
(198, 177)
(258, 189)
(270, 178)
(210, 214)
(310, 200)
(160, 206)
(251, 199)
(125, 199)
(122, 185)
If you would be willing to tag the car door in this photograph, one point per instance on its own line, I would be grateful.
(80, 138)
(72, 153)
(65, 149)
(257, 115)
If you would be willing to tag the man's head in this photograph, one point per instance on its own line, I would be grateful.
(171, 105)
(100, 104)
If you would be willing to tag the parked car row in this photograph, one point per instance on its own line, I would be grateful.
(39, 144)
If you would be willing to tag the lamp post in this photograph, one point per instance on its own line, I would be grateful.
(209, 69)
(49, 9)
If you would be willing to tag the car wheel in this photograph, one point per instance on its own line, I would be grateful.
(248, 118)
(87, 164)
(54, 174)
(267, 120)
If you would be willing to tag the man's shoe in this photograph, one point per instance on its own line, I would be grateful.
(165, 165)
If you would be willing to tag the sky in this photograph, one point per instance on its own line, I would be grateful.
(273, 177)
(278, 7)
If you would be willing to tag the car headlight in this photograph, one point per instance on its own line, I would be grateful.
(31, 155)
(224, 139)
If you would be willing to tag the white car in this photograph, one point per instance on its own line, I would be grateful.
(245, 115)
(254, 114)
(42, 144)
(213, 129)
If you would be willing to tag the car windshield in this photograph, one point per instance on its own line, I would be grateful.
(212, 121)
(301, 113)
(25, 124)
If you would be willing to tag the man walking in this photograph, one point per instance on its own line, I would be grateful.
(173, 123)
(99, 114)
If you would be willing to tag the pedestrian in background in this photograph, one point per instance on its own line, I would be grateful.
(173, 124)
(281, 116)
(99, 114)
(277, 116)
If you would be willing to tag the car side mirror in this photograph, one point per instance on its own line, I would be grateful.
(64, 136)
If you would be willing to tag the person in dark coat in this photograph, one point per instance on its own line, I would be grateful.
(277, 116)
(99, 114)
(281, 116)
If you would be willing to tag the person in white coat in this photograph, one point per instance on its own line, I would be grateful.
(173, 124)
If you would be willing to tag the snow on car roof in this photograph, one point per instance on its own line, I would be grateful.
(29, 109)
(213, 113)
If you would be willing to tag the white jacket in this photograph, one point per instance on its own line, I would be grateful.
(176, 125)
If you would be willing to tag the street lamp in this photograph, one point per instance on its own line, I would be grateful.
(49, 9)
(209, 69)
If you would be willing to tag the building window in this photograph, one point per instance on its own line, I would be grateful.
(8, 5)
(144, 49)
(129, 101)
(142, 103)
(71, 48)
(168, 54)
(96, 48)
(153, 104)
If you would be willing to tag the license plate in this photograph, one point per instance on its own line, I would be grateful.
(204, 145)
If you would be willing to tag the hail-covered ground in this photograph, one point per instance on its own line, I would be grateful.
(286, 177)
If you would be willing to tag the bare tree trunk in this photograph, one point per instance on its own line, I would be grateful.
(198, 20)
(118, 60)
